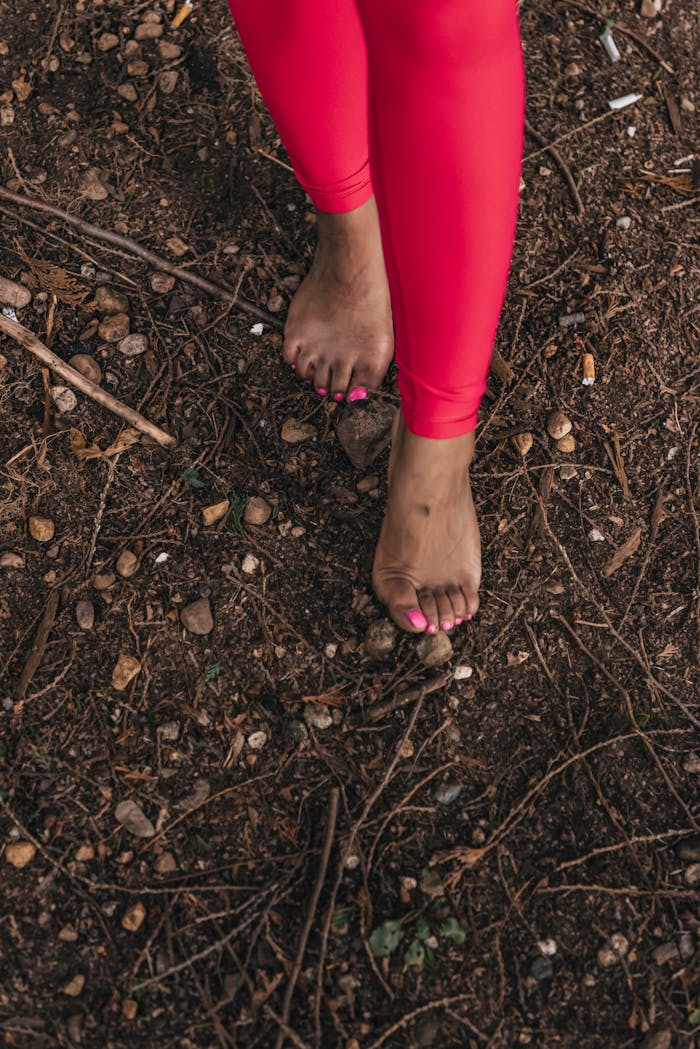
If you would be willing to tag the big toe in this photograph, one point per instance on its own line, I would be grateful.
(403, 604)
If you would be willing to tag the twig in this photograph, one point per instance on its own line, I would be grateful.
(39, 647)
(320, 878)
(556, 155)
(621, 29)
(134, 248)
(696, 533)
(403, 699)
(441, 1003)
(29, 341)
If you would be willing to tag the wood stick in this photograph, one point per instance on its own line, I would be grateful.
(30, 342)
(134, 248)
(39, 647)
(554, 152)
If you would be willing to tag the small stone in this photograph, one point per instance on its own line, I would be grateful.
(657, 1040)
(294, 431)
(691, 763)
(107, 41)
(168, 50)
(686, 946)
(133, 345)
(64, 399)
(607, 957)
(11, 560)
(446, 793)
(215, 512)
(689, 850)
(624, 222)
(558, 425)
(114, 328)
(92, 185)
(127, 563)
(148, 31)
(364, 433)
(103, 580)
(67, 934)
(177, 246)
(125, 671)
(665, 952)
(431, 885)
(596, 536)
(22, 89)
(368, 484)
(692, 875)
(74, 986)
(619, 944)
(650, 8)
(250, 564)
(572, 70)
(42, 529)
(128, 92)
(547, 947)
(523, 443)
(163, 283)
(132, 920)
(130, 1007)
(20, 853)
(170, 731)
(131, 816)
(200, 792)
(541, 968)
(84, 853)
(296, 731)
(87, 366)
(197, 617)
(463, 672)
(434, 649)
(330, 650)
(107, 300)
(318, 716)
(167, 81)
(257, 511)
(165, 864)
(567, 472)
(257, 740)
(137, 67)
(686, 105)
(380, 639)
(14, 294)
(567, 443)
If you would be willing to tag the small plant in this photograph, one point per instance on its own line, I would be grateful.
(213, 672)
(420, 951)
(193, 478)
(42, 761)
(238, 505)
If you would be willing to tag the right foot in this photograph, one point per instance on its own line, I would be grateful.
(339, 333)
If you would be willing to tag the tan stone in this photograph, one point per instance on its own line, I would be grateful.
(42, 529)
(125, 671)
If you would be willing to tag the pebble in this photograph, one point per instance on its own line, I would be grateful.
(364, 433)
(689, 849)
(657, 1040)
(572, 70)
(42, 529)
(567, 443)
(177, 246)
(368, 483)
(619, 944)
(380, 639)
(137, 67)
(127, 563)
(67, 934)
(547, 947)
(331, 650)
(125, 671)
(107, 41)
(692, 875)
(463, 672)
(296, 731)
(624, 222)
(596, 536)
(558, 425)
(165, 864)
(74, 986)
(607, 957)
(128, 92)
(567, 472)
(14, 294)
(257, 740)
(250, 564)
(168, 50)
(197, 617)
(665, 952)
(107, 300)
(446, 793)
(131, 816)
(215, 512)
(64, 399)
(92, 185)
(132, 920)
(114, 328)
(318, 716)
(130, 1007)
(85, 614)
(103, 580)
(650, 8)
(133, 345)
(686, 946)
(541, 968)
(200, 792)
(20, 853)
(691, 763)
(148, 31)
(257, 511)
(169, 731)
(11, 560)
(294, 431)
(434, 649)
(84, 853)
(87, 366)
(162, 283)
(570, 320)
(431, 885)
(523, 443)
(687, 105)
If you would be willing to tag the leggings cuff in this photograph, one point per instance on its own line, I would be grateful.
(428, 412)
(346, 195)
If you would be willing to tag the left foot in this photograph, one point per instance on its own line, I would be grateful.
(427, 566)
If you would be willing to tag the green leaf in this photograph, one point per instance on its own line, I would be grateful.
(385, 939)
(415, 954)
(193, 478)
(694, 1017)
(341, 918)
(213, 672)
(453, 930)
(422, 929)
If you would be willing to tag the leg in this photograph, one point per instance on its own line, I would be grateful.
(446, 132)
(310, 63)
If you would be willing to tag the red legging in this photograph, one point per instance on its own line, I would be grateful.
(428, 96)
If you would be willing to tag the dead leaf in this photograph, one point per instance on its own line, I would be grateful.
(56, 281)
(629, 547)
(328, 699)
(82, 451)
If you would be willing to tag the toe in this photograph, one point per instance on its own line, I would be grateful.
(446, 617)
(290, 350)
(340, 381)
(471, 601)
(402, 602)
(322, 378)
(429, 608)
(459, 605)
(305, 366)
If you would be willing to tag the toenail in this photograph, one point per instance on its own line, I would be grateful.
(431, 629)
(307, 381)
(357, 393)
(458, 620)
(467, 617)
(321, 392)
(337, 396)
(293, 367)
(417, 619)
(446, 625)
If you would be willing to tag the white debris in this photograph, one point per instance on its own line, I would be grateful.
(595, 536)
(606, 39)
(623, 101)
(257, 329)
(624, 222)
(250, 564)
(547, 947)
(463, 672)
(631, 131)
(162, 558)
(257, 740)
(7, 311)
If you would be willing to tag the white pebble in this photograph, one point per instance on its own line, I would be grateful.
(631, 131)
(624, 222)
(250, 564)
(64, 399)
(257, 740)
(595, 536)
(548, 947)
(330, 651)
(463, 672)
(162, 558)
(257, 329)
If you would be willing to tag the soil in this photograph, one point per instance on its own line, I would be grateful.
(551, 900)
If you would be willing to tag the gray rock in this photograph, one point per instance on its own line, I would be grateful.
(434, 649)
(133, 345)
(365, 432)
(380, 639)
(692, 875)
(686, 946)
(541, 968)
(689, 849)
(665, 952)
(85, 615)
(200, 792)
(296, 731)
(318, 716)
(131, 816)
(691, 763)
(446, 793)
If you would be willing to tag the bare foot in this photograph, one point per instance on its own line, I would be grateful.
(427, 566)
(339, 332)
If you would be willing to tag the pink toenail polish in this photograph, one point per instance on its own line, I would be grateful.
(357, 393)
(321, 392)
(467, 617)
(337, 396)
(307, 381)
(458, 620)
(446, 625)
(293, 367)
(417, 619)
(431, 629)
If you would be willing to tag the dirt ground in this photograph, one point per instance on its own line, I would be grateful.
(287, 828)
